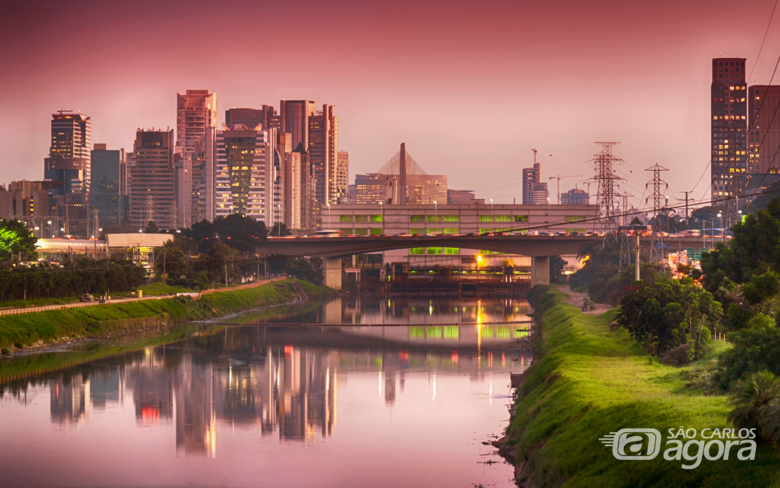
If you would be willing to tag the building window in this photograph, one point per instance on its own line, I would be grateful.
(434, 218)
(345, 218)
(483, 230)
(521, 218)
(376, 232)
(451, 250)
(417, 230)
(434, 230)
(569, 230)
(417, 250)
(361, 232)
(452, 218)
(417, 218)
(346, 231)
(434, 250)
(361, 218)
(503, 218)
(451, 230)
(376, 218)
(574, 218)
(486, 218)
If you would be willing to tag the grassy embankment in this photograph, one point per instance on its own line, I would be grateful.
(39, 328)
(590, 381)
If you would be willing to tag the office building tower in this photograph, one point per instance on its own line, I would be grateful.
(69, 154)
(323, 148)
(250, 117)
(153, 180)
(248, 174)
(764, 137)
(196, 124)
(729, 126)
(575, 196)
(342, 177)
(310, 208)
(534, 190)
(31, 202)
(293, 119)
(109, 186)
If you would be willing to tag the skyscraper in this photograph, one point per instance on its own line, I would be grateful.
(196, 123)
(729, 126)
(764, 137)
(109, 186)
(250, 117)
(323, 147)
(69, 158)
(69, 163)
(534, 191)
(294, 120)
(247, 176)
(153, 180)
(341, 177)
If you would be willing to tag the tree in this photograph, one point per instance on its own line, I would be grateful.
(668, 314)
(16, 237)
(280, 230)
(151, 228)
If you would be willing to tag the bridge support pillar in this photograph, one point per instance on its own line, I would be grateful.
(331, 270)
(540, 270)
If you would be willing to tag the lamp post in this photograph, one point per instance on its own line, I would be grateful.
(51, 228)
(722, 234)
(492, 216)
(382, 216)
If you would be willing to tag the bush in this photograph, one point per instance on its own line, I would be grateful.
(676, 357)
(757, 406)
(754, 350)
(670, 313)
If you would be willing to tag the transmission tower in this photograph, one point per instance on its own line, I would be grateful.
(657, 251)
(605, 178)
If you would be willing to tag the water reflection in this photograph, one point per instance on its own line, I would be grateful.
(284, 383)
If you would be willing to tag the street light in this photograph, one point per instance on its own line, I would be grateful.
(722, 233)
(435, 212)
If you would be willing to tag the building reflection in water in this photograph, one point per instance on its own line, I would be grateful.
(274, 380)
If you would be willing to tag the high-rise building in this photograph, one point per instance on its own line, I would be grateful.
(764, 137)
(109, 186)
(69, 155)
(153, 180)
(293, 119)
(29, 201)
(534, 190)
(250, 117)
(729, 127)
(342, 177)
(323, 148)
(310, 208)
(248, 174)
(196, 124)
(575, 196)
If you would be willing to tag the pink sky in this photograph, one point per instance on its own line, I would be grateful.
(470, 87)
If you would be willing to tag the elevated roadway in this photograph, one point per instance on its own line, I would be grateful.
(539, 248)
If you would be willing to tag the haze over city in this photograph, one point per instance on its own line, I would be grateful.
(470, 88)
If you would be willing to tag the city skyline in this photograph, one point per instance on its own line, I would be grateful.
(530, 99)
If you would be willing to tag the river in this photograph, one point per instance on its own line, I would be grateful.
(399, 394)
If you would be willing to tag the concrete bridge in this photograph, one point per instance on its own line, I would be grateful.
(538, 248)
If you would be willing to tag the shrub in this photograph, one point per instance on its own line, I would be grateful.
(757, 404)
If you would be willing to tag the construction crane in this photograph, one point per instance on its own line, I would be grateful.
(558, 177)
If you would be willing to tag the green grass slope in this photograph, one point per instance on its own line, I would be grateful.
(591, 381)
(47, 327)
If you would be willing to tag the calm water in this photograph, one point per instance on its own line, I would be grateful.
(369, 403)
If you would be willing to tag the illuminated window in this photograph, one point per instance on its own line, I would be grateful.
(361, 218)
(434, 250)
(345, 218)
(452, 218)
(486, 218)
(451, 250)
(434, 218)
(376, 218)
(417, 250)
(417, 218)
